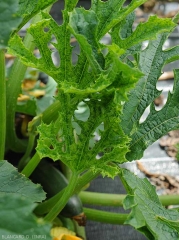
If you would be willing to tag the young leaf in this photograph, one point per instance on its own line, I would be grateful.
(144, 31)
(74, 150)
(111, 12)
(13, 182)
(20, 223)
(83, 25)
(29, 8)
(148, 215)
(9, 21)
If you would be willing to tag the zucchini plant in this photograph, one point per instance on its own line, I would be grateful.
(115, 82)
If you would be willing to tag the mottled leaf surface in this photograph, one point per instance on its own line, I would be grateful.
(148, 215)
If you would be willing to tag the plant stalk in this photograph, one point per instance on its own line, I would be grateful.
(13, 89)
(116, 200)
(104, 216)
(32, 164)
(2, 104)
(46, 206)
(28, 151)
(64, 199)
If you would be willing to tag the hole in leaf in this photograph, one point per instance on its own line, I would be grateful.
(46, 29)
(145, 45)
(53, 39)
(75, 50)
(37, 53)
(83, 112)
(56, 58)
(96, 136)
(145, 115)
(55, 53)
(170, 66)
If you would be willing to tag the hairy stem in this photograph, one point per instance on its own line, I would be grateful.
(115, 200)
(64, 199)
(105, 217)
(2, 104)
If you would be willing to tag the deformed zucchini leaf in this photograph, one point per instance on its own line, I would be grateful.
(100, 80)
(148, 215)
(13, 182)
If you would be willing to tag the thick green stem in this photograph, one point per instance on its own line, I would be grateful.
(29, 168)
(23, 161)
(2, 104)
(13, 89)
(115, 200)
(105, 217)
(167, 200)
(63, 200)
(46, 206)
(101, 199)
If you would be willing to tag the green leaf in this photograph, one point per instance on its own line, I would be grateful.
(79, 156)
(11, 181)
(42, 33)
(29, 8)
(111, 12)
(83, 24)
(145, 31)
(157, 124)
(9, 20)
(20, 223)
(148, 215)
(151, 62)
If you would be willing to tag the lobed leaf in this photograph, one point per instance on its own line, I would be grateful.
(157, 124)
(145, 31)
(111, 13)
